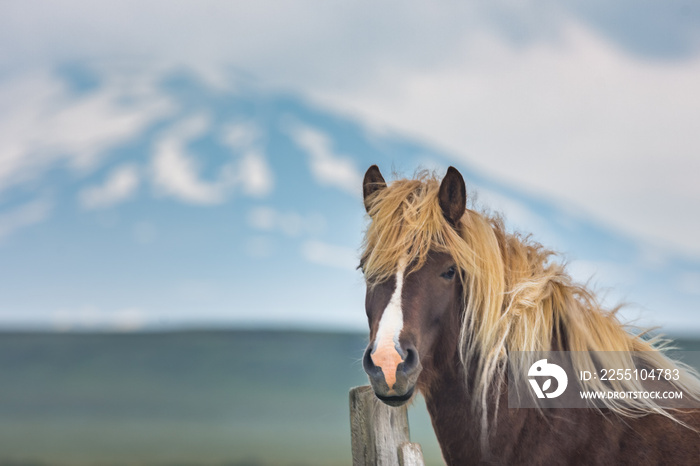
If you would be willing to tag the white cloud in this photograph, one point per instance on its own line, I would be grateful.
(576, 120)
(255, 174)
(298, 45)
(327, 167)
(252, 171)
(266, 218)
(177, 175)
(263, 218)
(120, 185)
(176, 172)
(23, 216)
(241, 135)
(329, 255)
(536, 96)
(41, 123)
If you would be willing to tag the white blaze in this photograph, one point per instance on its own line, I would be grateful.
(391, 322)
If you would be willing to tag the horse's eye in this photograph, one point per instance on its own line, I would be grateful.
(450, 274)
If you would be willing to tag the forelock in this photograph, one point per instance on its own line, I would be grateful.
(406, 222)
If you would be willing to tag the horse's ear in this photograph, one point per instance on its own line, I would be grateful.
(453, 196)
(373, 182)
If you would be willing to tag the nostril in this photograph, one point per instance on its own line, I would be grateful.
(368, 364)
(411, 360)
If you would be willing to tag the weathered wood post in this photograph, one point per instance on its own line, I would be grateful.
(380, 433)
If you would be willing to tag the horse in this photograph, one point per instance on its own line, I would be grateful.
(452, 296)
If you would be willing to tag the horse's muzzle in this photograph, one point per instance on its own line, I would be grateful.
(406, 375)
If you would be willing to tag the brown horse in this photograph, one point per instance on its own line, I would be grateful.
(451, 296)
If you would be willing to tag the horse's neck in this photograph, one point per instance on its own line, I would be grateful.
(450, 405)
(457, 427)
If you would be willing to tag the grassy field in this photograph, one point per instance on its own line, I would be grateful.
(185, 398)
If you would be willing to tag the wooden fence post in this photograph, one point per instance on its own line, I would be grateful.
(380, 433)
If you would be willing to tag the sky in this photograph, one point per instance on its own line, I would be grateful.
(161, 161)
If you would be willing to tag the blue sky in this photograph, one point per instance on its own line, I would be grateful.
(201, 163)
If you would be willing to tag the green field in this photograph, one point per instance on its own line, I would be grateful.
(184, 398)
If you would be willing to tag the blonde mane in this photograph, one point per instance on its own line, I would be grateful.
(515, 297)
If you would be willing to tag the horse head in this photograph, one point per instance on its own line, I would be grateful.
(415, 310)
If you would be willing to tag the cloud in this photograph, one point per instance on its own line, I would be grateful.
(263, 218)
(329, 255)
(576, 101)
(176, 175)
(43, 123)
(255, 175)
(311, 43)
(241, 135)
(266, 218)
(120, 185)
(327, 167)
(176, 172)
(253, 171)
(27, 214)
(575, 120)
